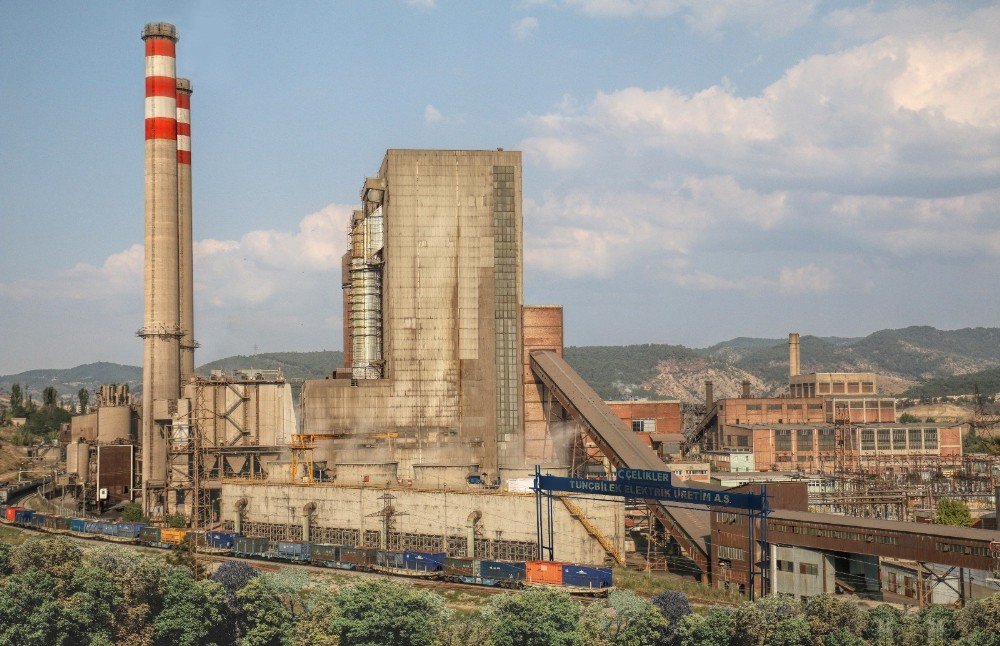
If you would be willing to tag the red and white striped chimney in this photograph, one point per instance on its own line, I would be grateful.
(186, 259)
(161, 324)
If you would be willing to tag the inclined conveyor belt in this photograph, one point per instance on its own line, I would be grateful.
(690, 527)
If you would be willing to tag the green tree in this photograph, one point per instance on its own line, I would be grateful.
(83, 396)
(193, 614)
(140, 581)
(828, 614)
(132, 513)
(715, 628)
(907, 418)
(841, 637)
(972, 443)
(623, 619)
(50, 397)
(44, 421)
(535, 617)
(185, 555)
(262, 619)
(932, 626)
(380, 612)
(177, 521)
(16, 401)
(884, 626)
(233, 575)
(952, 512)
(289, 583)
(314, 626)
(6, 552)
(53, 555)
(980, 616)
(770, 621)
(93, 605)
(30, 612)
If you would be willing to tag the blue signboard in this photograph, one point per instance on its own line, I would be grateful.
(651, 485)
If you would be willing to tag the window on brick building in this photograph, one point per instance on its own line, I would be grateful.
(644, 425)
(782, 440)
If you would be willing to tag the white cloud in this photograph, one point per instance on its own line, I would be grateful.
(883, 152)
(422, 4)
(432, 114)
(768, 17)
(871, 114)
(560, 154)
(807, 279)
(524, 27)
(258, 267)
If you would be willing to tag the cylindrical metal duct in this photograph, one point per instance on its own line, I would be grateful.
(709, 395)
(366, 322)
(374, 235)
(746, 389)
(185, 252)
(161, 324)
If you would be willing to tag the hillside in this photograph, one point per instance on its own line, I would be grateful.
(987, 380)
(295, 365)
(69, 381)
(916, 361)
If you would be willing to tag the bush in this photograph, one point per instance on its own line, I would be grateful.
(982, 615)
(828, 614)
(714, 628)
(673, 605)
(623, 619)
(381, 612)
(56, 556)
(952, 512)
(233, 575)
(132, 513)
(770, 621)
(535, 617)
(884, 626)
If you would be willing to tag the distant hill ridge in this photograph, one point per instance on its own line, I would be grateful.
(911, 360)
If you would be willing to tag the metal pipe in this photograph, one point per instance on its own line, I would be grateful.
(161, 324)
(184, 231)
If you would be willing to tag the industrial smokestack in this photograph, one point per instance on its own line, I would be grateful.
(746, 389)
(185, 256)
(709, 395)
(161, 324)
(793, 354)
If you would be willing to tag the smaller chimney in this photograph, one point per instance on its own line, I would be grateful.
(709, 395)
(793, 354)
(746, 389)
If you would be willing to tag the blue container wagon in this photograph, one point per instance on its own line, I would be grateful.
(583, 576)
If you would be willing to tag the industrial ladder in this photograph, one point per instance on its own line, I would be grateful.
(608, 546)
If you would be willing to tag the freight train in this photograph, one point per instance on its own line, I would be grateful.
(576, 578)
(8, 491)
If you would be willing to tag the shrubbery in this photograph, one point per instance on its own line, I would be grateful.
(51, 593)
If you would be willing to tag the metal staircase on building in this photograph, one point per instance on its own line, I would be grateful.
(592, 529)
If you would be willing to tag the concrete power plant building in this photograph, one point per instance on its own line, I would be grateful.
(432, 320)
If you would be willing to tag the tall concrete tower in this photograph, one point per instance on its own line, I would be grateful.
(793, 354)
(161, 325)
(186, 262)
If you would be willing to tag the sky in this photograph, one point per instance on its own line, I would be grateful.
(693, 171)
